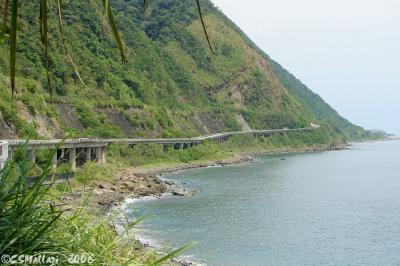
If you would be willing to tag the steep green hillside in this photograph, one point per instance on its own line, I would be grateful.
(171, 84)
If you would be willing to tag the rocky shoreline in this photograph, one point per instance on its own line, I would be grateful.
(137, 184)
(134, 183)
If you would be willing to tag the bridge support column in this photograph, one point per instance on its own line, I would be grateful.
(178, 146)
(100, 155)
(103, 154)
(54, 161)
(72, 158)
(4, 153)
(10, 153)
(31, 156)
(88, 154)
(166, 147)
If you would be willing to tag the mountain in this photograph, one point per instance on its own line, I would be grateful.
(171, 84)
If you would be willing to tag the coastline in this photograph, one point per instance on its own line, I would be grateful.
(138, 183)
(236, 158)
(246, 157)
(357, 149)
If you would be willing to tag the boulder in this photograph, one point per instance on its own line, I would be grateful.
(125, 178)
(129, 185)
(140, 175)
(169, 182)
(105, 186)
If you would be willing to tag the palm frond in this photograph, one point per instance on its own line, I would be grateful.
(60, 25)
(114, 29)
(44, 35)
(146, 4)
(5, 15)
(204, 26)
(13, 43)
(106, 3)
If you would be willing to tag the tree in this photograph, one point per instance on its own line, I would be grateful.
(11, 33)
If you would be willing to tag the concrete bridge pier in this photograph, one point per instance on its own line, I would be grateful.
(178, 146)
(221, 140)
(4, 153)
(100, 155)
(166, 147)
(72, 158)
(185, 146)
(88, 153)
(32, 156)
(54, 160)
(10, 153)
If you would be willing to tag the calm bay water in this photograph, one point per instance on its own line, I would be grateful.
(327, 208)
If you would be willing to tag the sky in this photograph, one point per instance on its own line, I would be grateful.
(347, 51)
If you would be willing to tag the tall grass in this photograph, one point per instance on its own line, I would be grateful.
(150, 154)
(27, 211)
(33, 221)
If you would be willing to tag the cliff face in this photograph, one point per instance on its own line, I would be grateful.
(171, 85)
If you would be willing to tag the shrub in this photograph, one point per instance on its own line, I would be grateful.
(27, 213)
(33, 222)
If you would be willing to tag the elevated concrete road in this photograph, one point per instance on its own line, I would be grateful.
(94, 142)
(92, 149)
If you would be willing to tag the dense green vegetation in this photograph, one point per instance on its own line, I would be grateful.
(121, 156)
(34, 221)
(171, 84)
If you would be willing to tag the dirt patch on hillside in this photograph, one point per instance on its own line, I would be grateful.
(120, 121)
(212, 125)
(6, 131)
(239, 118)
(69, 117)
(198, 125)
(47, 127)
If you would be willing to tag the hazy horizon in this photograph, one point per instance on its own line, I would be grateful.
(346, 51)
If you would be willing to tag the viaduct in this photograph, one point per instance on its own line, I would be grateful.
(78, 151)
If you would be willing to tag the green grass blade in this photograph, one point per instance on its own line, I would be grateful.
(13, 44)
(114, 30)
(44, 228)
(60, 25)
(204, 26)
(171, 255)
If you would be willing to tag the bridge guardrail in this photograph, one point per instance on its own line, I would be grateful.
(94, 142)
